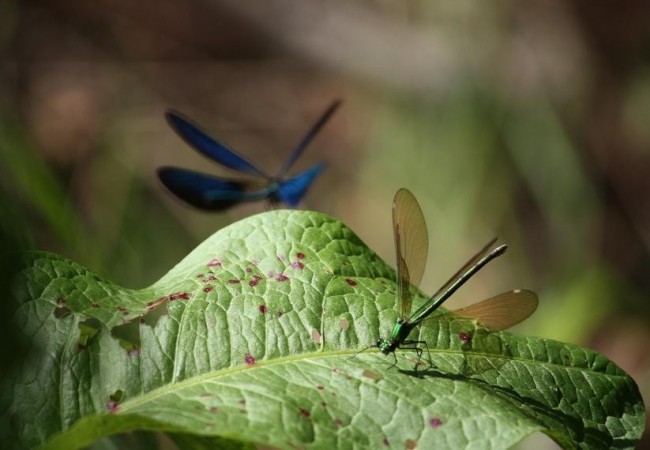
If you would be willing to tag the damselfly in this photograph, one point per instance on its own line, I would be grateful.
(214, 193)
(411, 249)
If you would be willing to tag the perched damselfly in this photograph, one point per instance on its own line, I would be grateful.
(411, 249)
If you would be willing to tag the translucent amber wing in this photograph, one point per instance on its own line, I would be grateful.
(411, 246)
(502, 311)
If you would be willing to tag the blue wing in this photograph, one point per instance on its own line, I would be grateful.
(313, 131)
(206, 191)
(291, 191)
(200, 140)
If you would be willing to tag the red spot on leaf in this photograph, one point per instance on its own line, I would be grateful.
(279, 314)
(297, 265)
(255, 281)
(242, 402)
(233, 281)
(112, 406)
(207, 289)
(300, 255)
(464, 337)
(94, 305)
(142, 320)
(386, 442)
(120, 308)
(304, 412)
(282, 277)
(200, 275)
(320, 388)
(435, 422)
(263, 309)
(179, 295)
(350, 282)
(249, 359)
(248, 270)
(338, 422)
(214, 262)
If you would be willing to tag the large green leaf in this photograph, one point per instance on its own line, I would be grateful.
(254, 338)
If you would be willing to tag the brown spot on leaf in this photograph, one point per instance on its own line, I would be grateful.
(315, 336)
(371, 374)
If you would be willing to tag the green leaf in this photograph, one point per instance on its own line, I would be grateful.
(254, 339)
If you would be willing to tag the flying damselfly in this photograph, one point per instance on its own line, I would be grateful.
(209, 192)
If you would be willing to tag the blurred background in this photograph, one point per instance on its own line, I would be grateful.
(526, 120)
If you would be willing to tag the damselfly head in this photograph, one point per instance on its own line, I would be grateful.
(385, 346)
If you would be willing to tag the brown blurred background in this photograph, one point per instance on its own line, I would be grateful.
(526, 120)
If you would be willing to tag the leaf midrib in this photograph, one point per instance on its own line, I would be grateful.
(163, 390)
